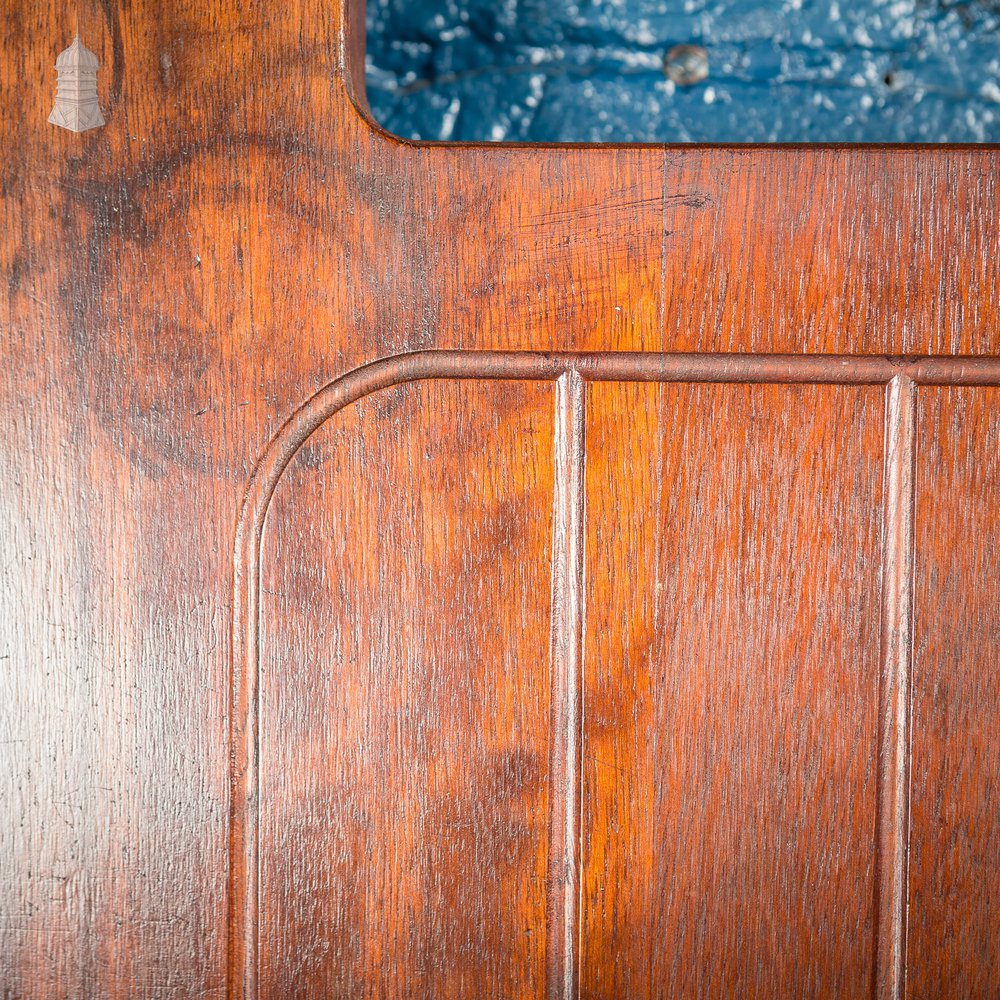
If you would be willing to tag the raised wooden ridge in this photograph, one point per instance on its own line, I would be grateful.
(571, 371)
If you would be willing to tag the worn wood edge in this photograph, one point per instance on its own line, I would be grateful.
(894, 707)
(243, 875)
(564, 862)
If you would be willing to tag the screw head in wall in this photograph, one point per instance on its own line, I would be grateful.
(686, 65)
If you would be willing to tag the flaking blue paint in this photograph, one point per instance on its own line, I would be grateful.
(791, 71)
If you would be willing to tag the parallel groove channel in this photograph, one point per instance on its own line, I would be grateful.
(571, 372)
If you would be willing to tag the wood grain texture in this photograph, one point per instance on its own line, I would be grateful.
(899, 379)
(177, 283)
(954, 917)
(404, 742)
(729, 783)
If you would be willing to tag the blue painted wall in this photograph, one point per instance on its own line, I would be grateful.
(788, 71)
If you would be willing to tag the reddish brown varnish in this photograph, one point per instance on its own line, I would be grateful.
(629, 628)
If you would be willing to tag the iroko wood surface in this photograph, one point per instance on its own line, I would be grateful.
(730, 791)
(955, 839)
(404, 754)
(529, 681)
